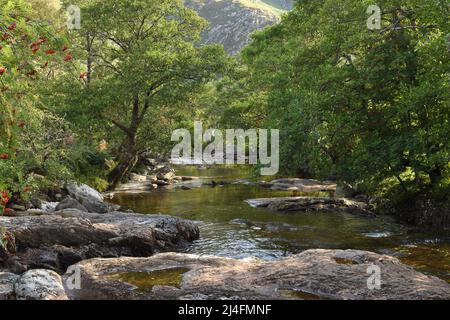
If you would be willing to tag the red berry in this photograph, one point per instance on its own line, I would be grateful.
(68, 57)
(50, 52)
(4, 156)
(12, 26)
(2, 70)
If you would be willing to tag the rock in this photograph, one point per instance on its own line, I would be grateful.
(12, 264)
(279, 227)
(345, 190)
(70, 203)
(58, 197)
(40, 284)
(135, 187)
(186, 188)
(7, 281)
(242, 222)
(311, 204)
(166, 175)
(49, 206)
(313, 274)
(93, 205)
(162, 183)
(76, 190)
(302, 185)
(95, 235)
(137, 177)
(17, 207)
(91, 199)
(36, 203)
(189, 178)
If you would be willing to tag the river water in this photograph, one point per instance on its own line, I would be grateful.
(230, 227)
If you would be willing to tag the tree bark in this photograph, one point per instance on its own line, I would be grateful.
(128, 155)
(127, 160)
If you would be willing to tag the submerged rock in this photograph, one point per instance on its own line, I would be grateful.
(313, 274)
(311, 204)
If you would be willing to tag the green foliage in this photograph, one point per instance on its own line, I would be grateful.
(358, 105)
(29, 50)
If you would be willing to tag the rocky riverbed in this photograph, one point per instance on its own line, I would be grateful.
(126, 255)
(310, 275)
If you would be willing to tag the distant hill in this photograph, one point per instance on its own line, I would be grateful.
(232, 21)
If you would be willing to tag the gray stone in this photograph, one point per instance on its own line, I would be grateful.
(7, 281)
(70, 203)
(40, 284)
(90, 198)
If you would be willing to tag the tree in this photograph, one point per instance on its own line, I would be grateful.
(137, 54)
(363, 106)
(29, 50)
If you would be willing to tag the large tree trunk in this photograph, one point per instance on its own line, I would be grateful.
(127, 160)
(128, 152)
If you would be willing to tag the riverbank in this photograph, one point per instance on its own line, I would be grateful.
(213, 219)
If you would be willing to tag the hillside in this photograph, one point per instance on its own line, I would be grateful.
(232, 21)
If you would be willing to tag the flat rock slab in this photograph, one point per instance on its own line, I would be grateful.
(311, 204)
(68, 236)
(313, 274)
(302, 185)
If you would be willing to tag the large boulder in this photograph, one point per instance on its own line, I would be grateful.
(70, 203)
(313, 274)
(40, 284)
(311, 204)
(7, 281)
(90, 198)
(68, 236)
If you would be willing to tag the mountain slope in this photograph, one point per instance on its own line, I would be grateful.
(232, 21)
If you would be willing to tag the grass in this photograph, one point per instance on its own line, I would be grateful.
(266, 5)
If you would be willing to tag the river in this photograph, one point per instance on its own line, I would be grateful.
(230, 227)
